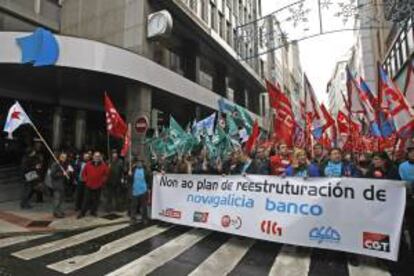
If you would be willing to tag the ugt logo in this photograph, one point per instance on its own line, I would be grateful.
(271, 228)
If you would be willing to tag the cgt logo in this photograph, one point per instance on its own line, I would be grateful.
(376, 241)
(227, 221)
(271, 228)
(170, 213)
(201, 217)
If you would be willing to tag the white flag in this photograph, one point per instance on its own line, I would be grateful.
(16, 117)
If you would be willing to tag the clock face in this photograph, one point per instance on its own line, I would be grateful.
(158, 24)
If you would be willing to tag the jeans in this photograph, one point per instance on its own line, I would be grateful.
(26, 194)
(80, 194)
(142, 200)
(112, 196)
(91, 201)
(58, 196)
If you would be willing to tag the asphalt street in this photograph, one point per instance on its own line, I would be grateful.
(162, 249)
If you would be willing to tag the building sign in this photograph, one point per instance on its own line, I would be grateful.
(40, 48)
(141, 125)
(362, 216)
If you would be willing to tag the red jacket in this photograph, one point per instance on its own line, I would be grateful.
(278, 164)
(95, 176)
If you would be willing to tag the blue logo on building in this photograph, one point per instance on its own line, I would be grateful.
(324, 234)
(40, 48)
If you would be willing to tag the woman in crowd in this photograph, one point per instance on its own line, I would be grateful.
(336, 167)
(301, 166)
(382, 167)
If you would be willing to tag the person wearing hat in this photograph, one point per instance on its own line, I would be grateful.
(382, 167)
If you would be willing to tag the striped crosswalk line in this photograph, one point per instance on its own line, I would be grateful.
(161, 250)
(20, 239)
(78, 262)
(225, 258)
(47, 248)
(161, 255)
(291, 263)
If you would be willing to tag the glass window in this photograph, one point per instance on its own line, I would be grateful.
(221, 25)
(410, 40)
(203, 10)
(229, 34)
(213, 18)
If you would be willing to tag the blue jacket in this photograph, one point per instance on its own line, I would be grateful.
(347, 170)
(139, 184)
(406, 171)
(309, 171)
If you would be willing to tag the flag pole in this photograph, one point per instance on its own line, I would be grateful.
(305, 112)
(348, 88)
(49, 150)
(108, 146)
(379, 105)
(130, 147)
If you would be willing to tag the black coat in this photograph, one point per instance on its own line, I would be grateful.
(390, 173)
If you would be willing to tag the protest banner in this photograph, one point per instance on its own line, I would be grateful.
(362, 216)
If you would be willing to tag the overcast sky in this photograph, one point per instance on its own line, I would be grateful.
(320, 54)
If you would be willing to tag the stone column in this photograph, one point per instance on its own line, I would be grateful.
(57, 128)
(138, 104)
(80, 129)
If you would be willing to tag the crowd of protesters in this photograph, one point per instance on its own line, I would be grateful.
(82, 178)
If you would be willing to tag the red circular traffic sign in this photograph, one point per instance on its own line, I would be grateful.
(141, 125)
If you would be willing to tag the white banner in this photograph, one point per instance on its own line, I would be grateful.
(361, 216)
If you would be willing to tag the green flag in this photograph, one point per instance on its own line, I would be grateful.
(175, 129)
(231, 125)
(242, 118)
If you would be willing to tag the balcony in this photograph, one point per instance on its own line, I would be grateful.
(401, 50)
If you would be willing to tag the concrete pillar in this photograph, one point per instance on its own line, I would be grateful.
(80, 129)
(138, 104)
(57, 128)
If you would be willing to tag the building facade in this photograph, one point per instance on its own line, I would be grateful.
(370, 43)
(105, 46)
(336, 88)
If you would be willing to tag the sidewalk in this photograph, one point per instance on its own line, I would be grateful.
(39, 219)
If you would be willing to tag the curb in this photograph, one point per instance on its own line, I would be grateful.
(55, 231)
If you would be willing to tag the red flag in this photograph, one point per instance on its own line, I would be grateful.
(396, 104)
(329, 120)
(273, 94)
(127, 143)
(253, 137)
(115, 125)
(284, 122)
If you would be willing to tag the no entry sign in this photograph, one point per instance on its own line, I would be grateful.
(141, 124)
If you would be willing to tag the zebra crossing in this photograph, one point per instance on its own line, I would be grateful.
(168, 249)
